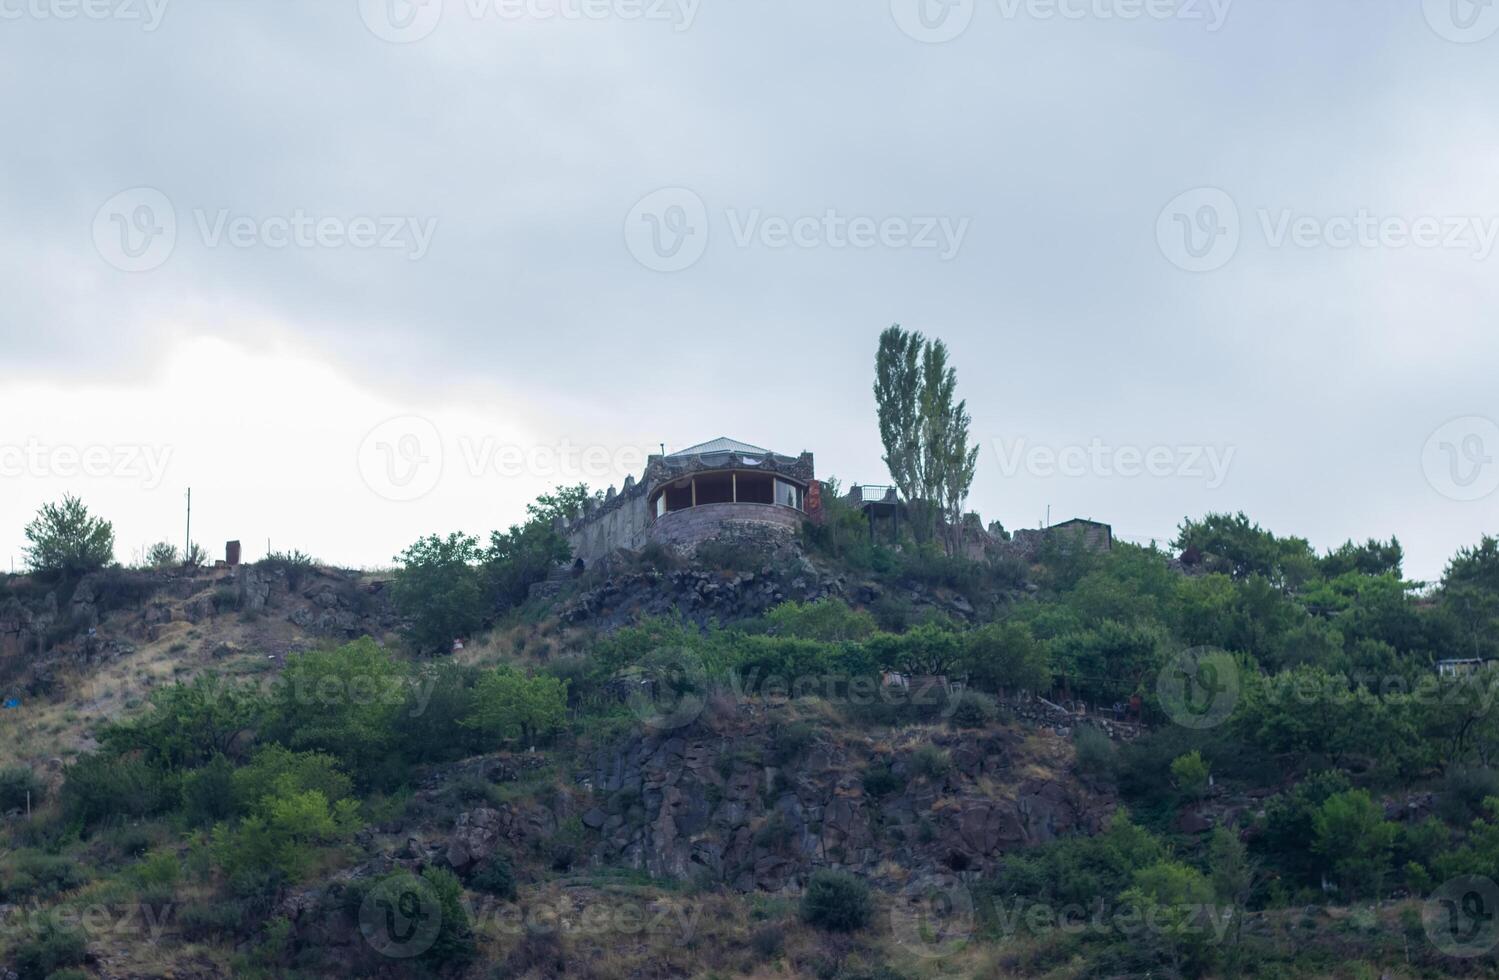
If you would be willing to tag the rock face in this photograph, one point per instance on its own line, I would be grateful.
(702, 803)
(702, 595)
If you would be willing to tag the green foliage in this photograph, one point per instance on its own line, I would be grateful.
(66, 541)
(494, 877)
(511, 706)
(837, 902)
(1111, 662)
(1233, 543)
(1190, 774)
(162, 554)
(51, 948)
(1096, 755)
(972, 709)
(1078, 870)
(826, 620)
(278, 771)
(930, 762)
(101, 788)
(343, 702)
(1352, 833)
(187, 724)
(285, 834)
(437, 589)
(519, 558)
(1005, 657)
(31, 876)
(208, 792)
(18, 785)
(1176, 899)
(923, 429)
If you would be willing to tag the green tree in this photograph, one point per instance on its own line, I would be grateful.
(342, 701)
(162, 554)
(1179, 903)
(187, 724)
(897, 396)
(836, 901)
(519, 558)
(437, 590)
(924, 430)
(66, 541)
(511, 706)
(1190, 775)
(1354, 836)
(1005, 657)
(949, 460)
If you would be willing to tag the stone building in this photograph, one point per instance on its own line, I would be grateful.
(1091, 535)
(711, 490)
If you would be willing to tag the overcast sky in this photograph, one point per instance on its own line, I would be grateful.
(361, 270)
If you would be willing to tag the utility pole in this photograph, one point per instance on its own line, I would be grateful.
(187, 549)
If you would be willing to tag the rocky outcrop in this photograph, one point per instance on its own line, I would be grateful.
(705, 803)
(626, 596)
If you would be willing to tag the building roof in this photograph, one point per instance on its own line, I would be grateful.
(722, 444)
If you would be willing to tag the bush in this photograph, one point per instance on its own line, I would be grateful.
(494, 877)
(39, 876)
(1096, 755)
(15, 786)
(931, 762)
(51, 949)
(790, 742)
(66, 541)
(836, 901)
(100, 788)
(879, 780)
(972, 710)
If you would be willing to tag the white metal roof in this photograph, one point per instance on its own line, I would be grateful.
(723, 444)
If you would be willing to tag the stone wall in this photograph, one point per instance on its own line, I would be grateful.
(620, 522)
(763, 525)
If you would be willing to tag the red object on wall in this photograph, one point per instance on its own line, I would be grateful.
(814, 502)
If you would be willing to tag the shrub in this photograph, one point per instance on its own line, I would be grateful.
(67, 541)
(972, 710)
(1096, 755)
(836, 901)
(931, 762)
(99, 788)
(208, 792)
(16, 784)
(52, 948)
(790, 742)
(437, 589)
(40, 876)
(879, 780)
(494, 877)
(509, 705)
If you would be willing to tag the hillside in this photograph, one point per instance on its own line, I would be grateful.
(835, 760)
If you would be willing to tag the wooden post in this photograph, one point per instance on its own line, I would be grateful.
(694, 491)
(734, 487)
